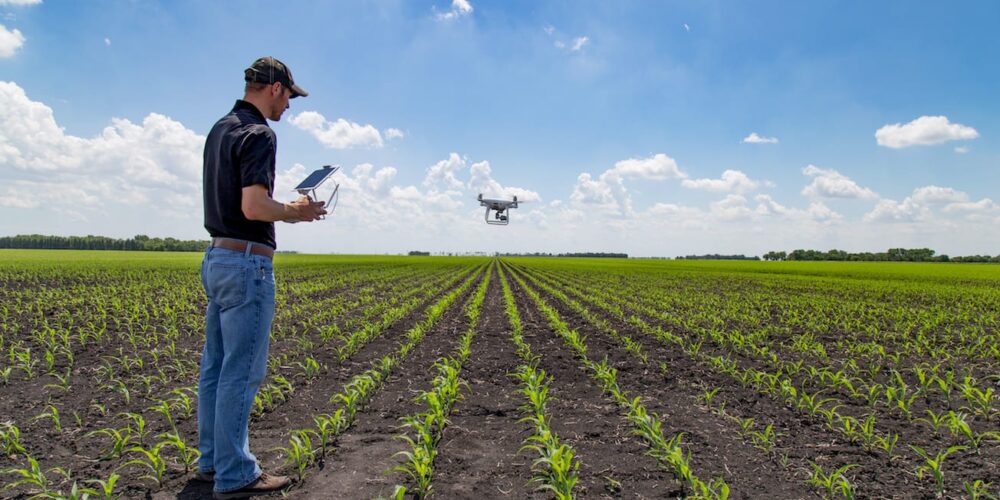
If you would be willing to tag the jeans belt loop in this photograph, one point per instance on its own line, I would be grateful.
(246, 253)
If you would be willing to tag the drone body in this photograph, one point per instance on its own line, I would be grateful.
(499, 207)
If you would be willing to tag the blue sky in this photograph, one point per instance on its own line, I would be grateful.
(618, 120)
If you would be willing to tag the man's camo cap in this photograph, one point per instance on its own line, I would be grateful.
(269, 70)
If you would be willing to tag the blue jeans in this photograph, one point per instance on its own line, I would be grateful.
(240, 290)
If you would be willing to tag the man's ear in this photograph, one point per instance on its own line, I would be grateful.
(275, 89)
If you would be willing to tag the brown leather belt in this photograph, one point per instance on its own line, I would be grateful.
(241, 246)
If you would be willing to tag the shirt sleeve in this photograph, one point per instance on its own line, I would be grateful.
(256, 158)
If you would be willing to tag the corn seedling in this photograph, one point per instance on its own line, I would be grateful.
(51, 413)
(104, 488)
(977, 489)
(764, 439)
(121, 440)
(934, 466)
(300, 452)
(833, 483)
(32, 476)
(188, 456)
(150, 459)
(10, 439)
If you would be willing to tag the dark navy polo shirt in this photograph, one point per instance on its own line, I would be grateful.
(239, 152)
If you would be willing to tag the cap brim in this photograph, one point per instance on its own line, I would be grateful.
(298, 92)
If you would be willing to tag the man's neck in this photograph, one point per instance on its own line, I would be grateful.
(258, 103)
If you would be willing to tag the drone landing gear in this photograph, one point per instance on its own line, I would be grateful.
(499, 218)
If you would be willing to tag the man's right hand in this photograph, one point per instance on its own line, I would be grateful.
(307, 210)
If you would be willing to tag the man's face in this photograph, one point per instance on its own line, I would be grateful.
(281, 98)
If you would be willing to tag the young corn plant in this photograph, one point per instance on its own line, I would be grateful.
(32, 476)
(310, 368)
(977, 489)
(419, 459)
(887, 444)
(183, 401)
(934, 466)
(328, 427)
(980, 401)
(10, 439)
(104, 489)
(121, 440)
(188, 455)
(707, 396)
(765, 439)
(834, 483)
(300, 453)
(136, 425)
(152, 460)
(51, 413)
(746, 425)
(556, 468)
(935, 420)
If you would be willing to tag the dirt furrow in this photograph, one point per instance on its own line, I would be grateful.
(477, 457)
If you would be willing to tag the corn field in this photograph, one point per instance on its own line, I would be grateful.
(475, 377)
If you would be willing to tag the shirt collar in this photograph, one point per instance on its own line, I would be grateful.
(244, 105)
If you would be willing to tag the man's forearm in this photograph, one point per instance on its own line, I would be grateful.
(268, 210)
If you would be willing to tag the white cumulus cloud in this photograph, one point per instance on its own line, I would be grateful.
(658, 167)
(923, 131)
(340, 134)
(154, 165)
(982, 206)
(608, 191)
(732, 181)
(817, 210)
(20, 3)
(459, 8)
(829, 183)
(753, 138)
(579, 42)
(938, 194)
(393, 133)
(10, 41)
(922, 204)
(443, 173)
(481, 181)
(908, 210)
(733, 206)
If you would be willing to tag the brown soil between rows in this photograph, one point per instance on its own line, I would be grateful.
(805, 439)
(478, 455)
(73, 450)
(361, 464)
(716, 449)
(613, 460)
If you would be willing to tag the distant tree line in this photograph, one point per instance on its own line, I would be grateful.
(600, 255)
(716, 256)
(418, 253)
(891, 255)
(89, 242)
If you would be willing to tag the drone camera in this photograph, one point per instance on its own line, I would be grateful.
(499, 208)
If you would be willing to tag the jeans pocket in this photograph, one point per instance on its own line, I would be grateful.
(227, 284)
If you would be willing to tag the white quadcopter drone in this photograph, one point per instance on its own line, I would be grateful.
(500, 218)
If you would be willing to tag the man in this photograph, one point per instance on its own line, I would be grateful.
(239, 278)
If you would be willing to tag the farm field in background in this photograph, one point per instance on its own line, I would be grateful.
(474, 377)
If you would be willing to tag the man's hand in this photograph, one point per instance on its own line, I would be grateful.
(307, 209)
(258, 205)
